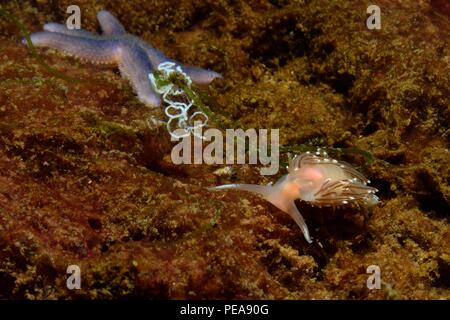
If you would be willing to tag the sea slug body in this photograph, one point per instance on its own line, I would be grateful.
(318, 180)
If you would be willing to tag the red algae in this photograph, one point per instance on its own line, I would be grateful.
(441, 6)
(85, 180)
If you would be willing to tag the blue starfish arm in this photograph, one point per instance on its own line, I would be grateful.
(110, 25)
(135, 66)
(61, 28)
(201, 76)
(95, 50)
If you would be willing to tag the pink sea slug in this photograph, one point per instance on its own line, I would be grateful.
(317, 179)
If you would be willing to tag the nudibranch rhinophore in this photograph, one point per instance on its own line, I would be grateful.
(136, 58)
(316, 179)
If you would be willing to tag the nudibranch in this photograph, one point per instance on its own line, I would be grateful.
(316, 179)
(136, 58)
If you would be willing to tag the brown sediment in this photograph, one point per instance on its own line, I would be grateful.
(86, 181)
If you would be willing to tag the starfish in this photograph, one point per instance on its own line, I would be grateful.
(136, 58)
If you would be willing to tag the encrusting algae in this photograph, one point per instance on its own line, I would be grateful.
(86, 181)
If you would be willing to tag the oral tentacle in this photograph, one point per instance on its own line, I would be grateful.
(298, 218)
(271, 195)
(264, 191)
